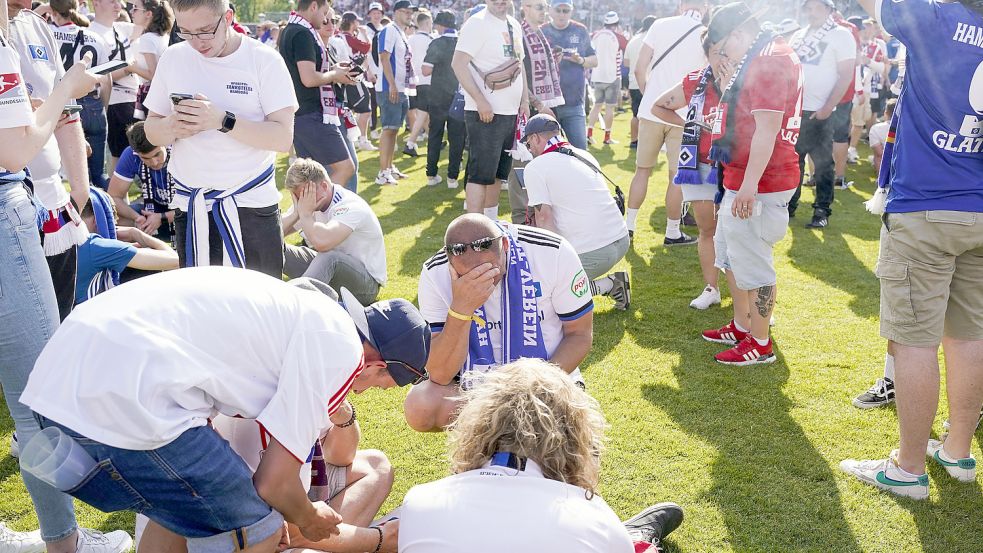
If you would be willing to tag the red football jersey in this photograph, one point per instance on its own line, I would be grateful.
(711, 105)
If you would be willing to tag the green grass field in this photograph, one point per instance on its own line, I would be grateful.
(750, 453)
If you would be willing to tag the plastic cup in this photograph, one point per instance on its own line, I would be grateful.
(56, 459)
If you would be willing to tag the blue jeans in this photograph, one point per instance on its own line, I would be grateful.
(94, 126)
(195, 486)
(28, 318)
(573, 119)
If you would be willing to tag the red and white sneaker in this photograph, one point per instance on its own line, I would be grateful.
(727, 334)
(748, 352)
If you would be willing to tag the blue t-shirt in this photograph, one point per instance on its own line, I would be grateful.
(573, 77)
(128, 165)
(96, 255)
(938, 151)
(893, 45)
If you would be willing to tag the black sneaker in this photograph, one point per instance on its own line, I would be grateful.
(633, 145)
(683, 240)
(407, 151)
(879, 395)
(820, 219)
(654, 523)
(688, 220)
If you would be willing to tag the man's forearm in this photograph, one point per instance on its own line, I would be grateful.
(352, 539)
(449, 350)
(571, 351)
(341, 444)
(268, 135)
(158, 131)
(762, 146)
(590, 62)
(71, 144)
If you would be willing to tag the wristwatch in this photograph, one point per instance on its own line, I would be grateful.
(229, 122)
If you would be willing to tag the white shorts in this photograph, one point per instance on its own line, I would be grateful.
(745, 246)
(700, 192)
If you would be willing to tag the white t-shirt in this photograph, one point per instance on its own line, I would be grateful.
(563, 292)
(118, 38)
(15, 105)
(419, 42)
(251, 82)
(495, 509)
(365, 243)
(584, 211)
(608, 49)
(631, 59)
(878, 133)
(342, 51)
(487, 40)
(136, 375)
(72, 49)
(685, 58)
(149, 43)
(392, 40)
(820, 66)
(41, 68)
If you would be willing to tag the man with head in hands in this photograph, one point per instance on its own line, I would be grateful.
(226, 105)
(493, 294)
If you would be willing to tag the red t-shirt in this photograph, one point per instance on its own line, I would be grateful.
(711, 105)
(773, 83)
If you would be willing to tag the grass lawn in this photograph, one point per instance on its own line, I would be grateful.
(750, 453)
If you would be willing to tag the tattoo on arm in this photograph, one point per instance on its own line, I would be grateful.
(766, 300)
(669, 102)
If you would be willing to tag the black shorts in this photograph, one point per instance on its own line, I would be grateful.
(262, 239)
(488, 158)
(318, 141)
(358, 98)
(119, 117)
(636, 100)
(841, 123)
(422, 99)
(877, 104)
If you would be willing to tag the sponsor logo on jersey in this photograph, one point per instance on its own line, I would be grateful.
(8, 82)
(236, 87)
(579, 285)
(38, 52)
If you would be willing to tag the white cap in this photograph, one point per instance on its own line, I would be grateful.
(375, 6)
(611, 18)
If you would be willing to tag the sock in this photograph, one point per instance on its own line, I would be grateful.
(601, 286)
(737, 325)
(905, 473)
(672, 229)
(590, 132)
(889, 367)
(762, 342)
(492, 212)
(607, 135)
(632, 215)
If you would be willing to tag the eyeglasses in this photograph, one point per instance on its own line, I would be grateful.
(420, 377)
(207, 35)
(479, 245)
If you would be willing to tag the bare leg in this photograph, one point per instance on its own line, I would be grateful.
(674, 199)
(593, 115)
(742, 305)
(704, 211)
(474, 197)
(421, 121)
(157, 539)
(964, 387)
(917, 391)
(363, 124)
(370, 479)
(387, 146)
(341, 171)
(839, 158)
(634, 129)
(431, 407)
(763, 304)
(492, 192)
(639, 187)
(609, 116)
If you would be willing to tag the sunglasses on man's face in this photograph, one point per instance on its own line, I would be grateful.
(479, 245)
(420, 377)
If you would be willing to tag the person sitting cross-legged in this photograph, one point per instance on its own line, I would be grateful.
(344, 240)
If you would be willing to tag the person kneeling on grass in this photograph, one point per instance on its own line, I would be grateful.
(496, 293)
(230, 342)
(344, 240)
(526, 457)
(569, 197)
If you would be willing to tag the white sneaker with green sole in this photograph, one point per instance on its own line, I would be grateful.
(885, 474)
(963, 470)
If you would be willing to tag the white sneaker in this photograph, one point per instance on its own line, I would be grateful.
(14, 446)
(364, 144)
(385, 177)
(12, 541)
(434, 180)
(963, 470)
(452, 183)
(852, 156)
(710, 296)
(376, 134)
(885, 474)
(397, 174)
(92, 541)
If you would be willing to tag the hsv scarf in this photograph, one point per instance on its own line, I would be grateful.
(807, 46)
(329, 103)
(106, 228)
(156, 186)
(720, 152)
(545, 75)
(522, 335)
(689, 152)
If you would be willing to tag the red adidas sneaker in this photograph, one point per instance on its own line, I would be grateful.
(748, 352)
(727, 334)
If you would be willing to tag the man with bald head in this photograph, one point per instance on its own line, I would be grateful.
(495, 293)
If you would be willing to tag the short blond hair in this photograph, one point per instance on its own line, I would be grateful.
(218, 6)
(535, 410)
(305, 171)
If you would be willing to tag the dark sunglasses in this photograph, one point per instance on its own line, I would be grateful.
(479, 245)
(420, 377)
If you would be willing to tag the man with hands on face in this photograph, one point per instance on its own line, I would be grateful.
(151, 213)
(224, 138)
(495, 293)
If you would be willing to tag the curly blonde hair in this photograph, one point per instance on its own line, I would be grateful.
(533, 409)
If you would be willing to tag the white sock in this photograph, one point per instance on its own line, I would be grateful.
(906, 474)
(632, 215)
(492, 212)
(737, 325)
(889, 367)
(762, 342)
(672, 229)
(603, 286)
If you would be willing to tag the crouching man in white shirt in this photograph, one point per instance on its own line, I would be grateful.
(538, 490)
(345, 247)
(494, 294)
(236, 113)
(135, 384)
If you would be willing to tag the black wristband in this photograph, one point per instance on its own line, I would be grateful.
(378, 546)
(350, 422)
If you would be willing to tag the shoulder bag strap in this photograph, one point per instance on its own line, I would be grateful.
(674, 45)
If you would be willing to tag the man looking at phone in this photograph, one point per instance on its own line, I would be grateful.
(572, 39)
(225, 138)
(318, 133)
(496, 293)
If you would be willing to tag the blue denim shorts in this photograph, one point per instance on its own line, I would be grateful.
(195, 486)
(392, 116)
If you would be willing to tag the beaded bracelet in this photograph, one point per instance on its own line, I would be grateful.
(350, 422)
(378, 546)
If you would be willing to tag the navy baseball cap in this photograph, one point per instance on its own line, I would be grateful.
(398, 331)
(539, 123)
(404, 5)
(445, 18)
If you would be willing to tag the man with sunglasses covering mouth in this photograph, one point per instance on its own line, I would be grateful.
(495, 293)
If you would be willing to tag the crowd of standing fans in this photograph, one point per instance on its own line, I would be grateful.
(140, 145)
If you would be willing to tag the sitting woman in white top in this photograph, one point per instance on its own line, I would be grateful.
(344, 244)
(526, 457)
(226, 106)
